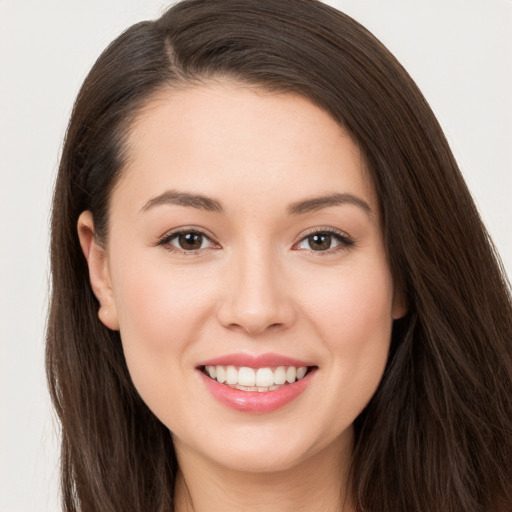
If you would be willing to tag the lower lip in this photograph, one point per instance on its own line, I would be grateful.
(254, 401)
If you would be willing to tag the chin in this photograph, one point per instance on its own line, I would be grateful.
(261, 459)
(262, 449)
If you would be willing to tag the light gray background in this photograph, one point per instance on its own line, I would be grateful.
(458, 51)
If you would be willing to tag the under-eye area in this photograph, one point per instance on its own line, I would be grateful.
(260, 380)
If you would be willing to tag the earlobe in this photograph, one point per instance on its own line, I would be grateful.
(99, 272)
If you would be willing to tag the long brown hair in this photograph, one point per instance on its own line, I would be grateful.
(437, 435)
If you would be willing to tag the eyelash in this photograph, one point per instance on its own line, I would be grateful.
(166, 240)
(344, 241)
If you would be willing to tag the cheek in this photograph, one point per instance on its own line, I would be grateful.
(352, 303)
(160, 311)
(354, 319)
(158, 307)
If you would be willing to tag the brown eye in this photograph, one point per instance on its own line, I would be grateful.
(320, 241)
(187, 241)
(190, 241)
(325, 241)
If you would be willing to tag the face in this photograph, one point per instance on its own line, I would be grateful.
(244, 243)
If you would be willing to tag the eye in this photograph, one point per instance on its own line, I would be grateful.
(324, 241)
(187, 241)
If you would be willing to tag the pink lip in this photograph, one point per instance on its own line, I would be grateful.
(254, 401)
(255, 361)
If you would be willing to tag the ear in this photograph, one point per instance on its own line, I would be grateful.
(399, 302)
(99, 272)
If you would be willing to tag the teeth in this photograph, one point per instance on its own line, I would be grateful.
(246, 377)
(291, 374)
(221, 373)
(264, 377)
(251, 379)
(280, 375)
(231, 375)
(301, 372)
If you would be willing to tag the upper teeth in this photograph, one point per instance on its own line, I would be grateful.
(255, 377)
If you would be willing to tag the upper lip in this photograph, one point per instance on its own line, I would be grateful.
(255, 361)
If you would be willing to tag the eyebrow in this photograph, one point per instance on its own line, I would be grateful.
(318, 203)
(200, 202)
(174, 197)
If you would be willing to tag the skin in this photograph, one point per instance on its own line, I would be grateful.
(255, 286)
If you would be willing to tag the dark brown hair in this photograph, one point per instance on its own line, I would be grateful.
(437, 435)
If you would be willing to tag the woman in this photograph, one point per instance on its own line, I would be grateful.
(271, 288)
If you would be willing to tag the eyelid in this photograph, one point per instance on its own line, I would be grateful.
(344, 239)
(164, 240)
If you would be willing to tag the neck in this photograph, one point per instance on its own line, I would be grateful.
(317, 484)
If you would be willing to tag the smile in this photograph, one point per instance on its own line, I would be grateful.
(259, 380)
(256, 384)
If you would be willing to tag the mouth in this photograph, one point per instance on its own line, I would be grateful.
(256, 380)
(256, 384)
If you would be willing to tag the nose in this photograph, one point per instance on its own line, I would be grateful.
(256, 295)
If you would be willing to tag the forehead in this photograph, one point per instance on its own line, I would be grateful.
(227, 139)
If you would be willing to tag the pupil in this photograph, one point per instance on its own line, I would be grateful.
(190, 241)
(320, 241)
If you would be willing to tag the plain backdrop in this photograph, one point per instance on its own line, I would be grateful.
(458, 51)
